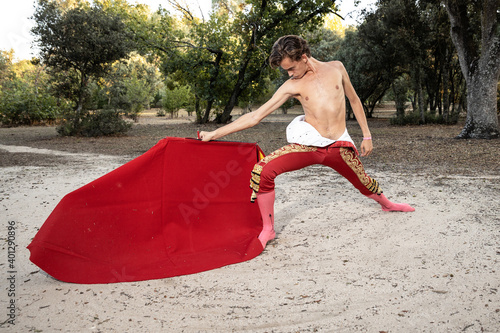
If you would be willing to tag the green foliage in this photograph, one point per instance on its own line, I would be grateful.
(98, 123)
(475, 31)
(402, 48)
(400, 88)
(395, 36)
(258, 26)
(137, 97)
(25, 94)
(131, 86)
(87, 40)
(324, 43)
(81, 42)
(23, 106)
(175, 99)
(370, 71)
(410, 39)
(224, 59)
(5, 65)
(66, 85)
(194, 56)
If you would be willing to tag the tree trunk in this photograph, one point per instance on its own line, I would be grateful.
(433, 90)
(206, 115)
(482, 119)
(81, 99)
(421, 105)
(213, 79)
(225, 116)
(481, 71)
(197, 109)
(446, 83)
(400, 100)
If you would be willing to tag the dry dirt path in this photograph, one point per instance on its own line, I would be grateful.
(339, 264)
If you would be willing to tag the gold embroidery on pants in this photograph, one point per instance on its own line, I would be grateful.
(355, 164)
(257, 169)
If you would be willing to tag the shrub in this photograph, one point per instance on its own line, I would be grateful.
(23, 106)
(177, 98)
(414, 118)
(98, 123)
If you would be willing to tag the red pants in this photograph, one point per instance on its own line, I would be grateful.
(340, 156)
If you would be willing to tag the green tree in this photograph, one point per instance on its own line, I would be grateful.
(224, 59)
(397, 36)
(25, 93)
(175, 99)
(440, 64)
(82, 41)
(325, 43)
(400, 88)
(370, 67)
(203, 60)
(5, 65)
(405, 41)
(475, 31)
(258, 26)
(131, 85)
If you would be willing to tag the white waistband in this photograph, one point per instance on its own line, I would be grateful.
(301, 132)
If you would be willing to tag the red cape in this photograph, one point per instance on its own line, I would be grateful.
(183, 207)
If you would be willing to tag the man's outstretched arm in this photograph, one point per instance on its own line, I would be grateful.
(249, 119)
(357, 108)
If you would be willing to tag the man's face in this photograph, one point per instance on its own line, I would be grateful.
(295, 69)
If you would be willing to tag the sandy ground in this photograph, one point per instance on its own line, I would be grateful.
(339, 263)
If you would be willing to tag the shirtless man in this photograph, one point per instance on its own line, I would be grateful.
(318, 137)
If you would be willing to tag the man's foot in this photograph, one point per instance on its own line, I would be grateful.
(398, 207)
(265, 236)
(388, 206)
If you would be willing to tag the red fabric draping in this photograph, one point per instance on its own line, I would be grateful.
(181, 208)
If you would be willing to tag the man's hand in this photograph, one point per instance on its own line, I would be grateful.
(207, 136)
(366, 147)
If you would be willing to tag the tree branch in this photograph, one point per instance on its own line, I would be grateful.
(185, 11)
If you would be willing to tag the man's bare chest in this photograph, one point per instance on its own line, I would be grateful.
(318, 90)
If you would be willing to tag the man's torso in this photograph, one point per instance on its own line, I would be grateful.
(323, 100)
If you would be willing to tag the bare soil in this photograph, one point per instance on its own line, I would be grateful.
(338, 264)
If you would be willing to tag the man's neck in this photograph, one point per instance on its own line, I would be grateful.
(311, 68)
(312, 65)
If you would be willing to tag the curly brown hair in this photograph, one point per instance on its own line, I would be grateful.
(290, 46)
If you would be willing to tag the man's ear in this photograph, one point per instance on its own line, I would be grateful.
(304, 58)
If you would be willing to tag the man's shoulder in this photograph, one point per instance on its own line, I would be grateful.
(290, 87)
(337, 64)
(337, 68)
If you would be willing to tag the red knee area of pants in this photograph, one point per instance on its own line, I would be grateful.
(267, 177)
(286, 163)
(335, 161)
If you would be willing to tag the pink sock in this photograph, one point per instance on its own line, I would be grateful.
(266, 205)
(389, 206)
